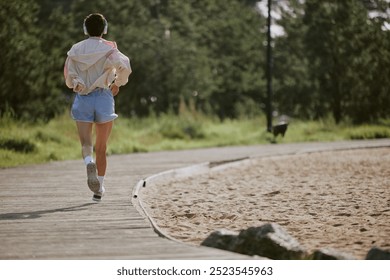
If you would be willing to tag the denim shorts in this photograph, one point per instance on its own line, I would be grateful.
(96, 107)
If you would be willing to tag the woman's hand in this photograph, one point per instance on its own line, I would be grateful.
(114, 89)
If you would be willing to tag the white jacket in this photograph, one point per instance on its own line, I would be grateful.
(95, 63)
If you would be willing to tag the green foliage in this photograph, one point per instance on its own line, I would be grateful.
(19, 55)
(177, 128)
(198, 73)
(17, 145)
(206, 52)
(369, 132)
(332, 59)
(26, 143)
(295, 94)
(340, 42)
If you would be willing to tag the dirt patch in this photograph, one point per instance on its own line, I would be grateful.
(338, 199)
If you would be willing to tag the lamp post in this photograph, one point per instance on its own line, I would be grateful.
(269, 71)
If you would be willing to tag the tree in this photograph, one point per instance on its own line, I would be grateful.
(33, 40)
(295, 93)
(232, 33)
(341, 43)
(373, 82)
(205, 52)
(20, 77)
(56, 31)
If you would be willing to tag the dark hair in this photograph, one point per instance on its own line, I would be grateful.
(95, 24)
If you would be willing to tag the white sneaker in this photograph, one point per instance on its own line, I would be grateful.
(97, 196)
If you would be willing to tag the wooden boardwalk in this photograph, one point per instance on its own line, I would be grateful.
(46, 210)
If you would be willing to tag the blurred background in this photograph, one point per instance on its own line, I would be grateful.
(330, 61)
(329, 57)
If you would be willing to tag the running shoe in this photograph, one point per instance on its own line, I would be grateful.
(93, 182)
(97, 196)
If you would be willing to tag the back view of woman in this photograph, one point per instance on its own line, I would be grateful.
(95, 69)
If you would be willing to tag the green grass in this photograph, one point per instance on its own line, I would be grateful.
(22, 143)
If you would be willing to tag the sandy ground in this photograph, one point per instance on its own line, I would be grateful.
(337, 200)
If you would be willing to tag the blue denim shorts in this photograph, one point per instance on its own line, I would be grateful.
(96, 107)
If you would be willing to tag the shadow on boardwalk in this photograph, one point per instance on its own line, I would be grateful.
(39, 214)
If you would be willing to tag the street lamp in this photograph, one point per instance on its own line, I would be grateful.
(269, 71)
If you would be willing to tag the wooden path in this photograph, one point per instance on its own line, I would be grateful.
(46, 210)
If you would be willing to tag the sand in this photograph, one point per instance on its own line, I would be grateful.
(338, 199)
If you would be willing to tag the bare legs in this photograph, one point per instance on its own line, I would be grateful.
(103, 131)
(85, 135)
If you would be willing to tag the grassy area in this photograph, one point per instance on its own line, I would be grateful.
(23, 143)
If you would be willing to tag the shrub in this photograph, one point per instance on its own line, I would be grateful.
(17, 145)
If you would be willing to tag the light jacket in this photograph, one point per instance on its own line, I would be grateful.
(95, 63)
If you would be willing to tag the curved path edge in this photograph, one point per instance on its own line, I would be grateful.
(207, 167)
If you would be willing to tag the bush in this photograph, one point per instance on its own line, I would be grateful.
(369, 132)
(17, 145)
(181, 128)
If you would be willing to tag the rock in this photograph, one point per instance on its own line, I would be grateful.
(221, 239)
(269, 240)
(378, 254)
(330, 254)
